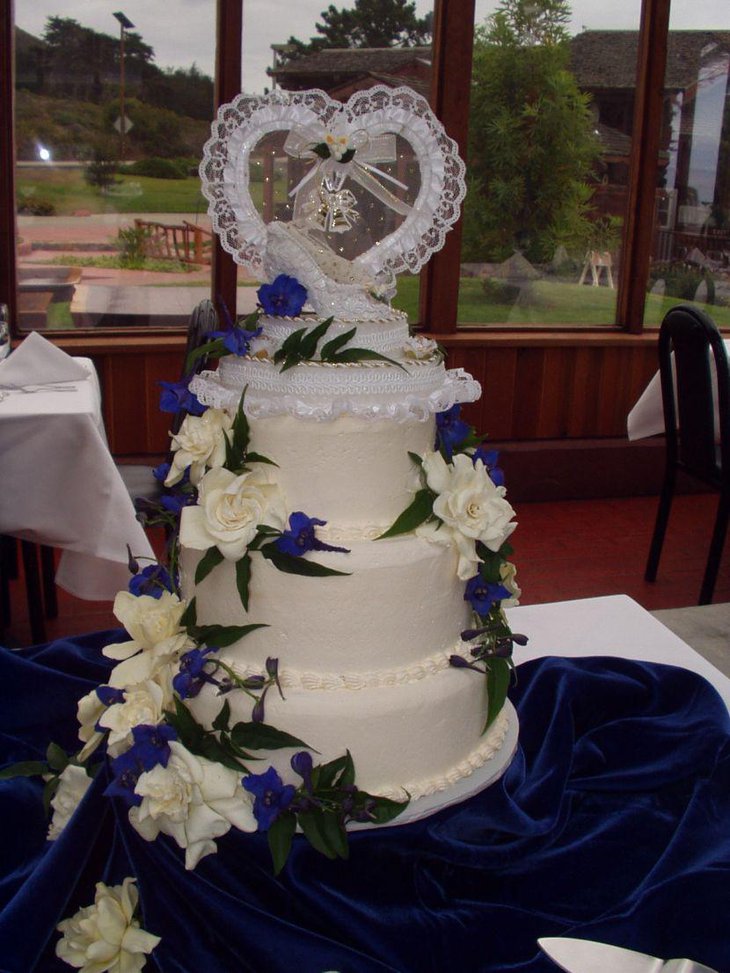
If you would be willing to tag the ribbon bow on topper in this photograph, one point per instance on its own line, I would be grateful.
(320, 197)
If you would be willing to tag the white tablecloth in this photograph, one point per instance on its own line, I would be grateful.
(60, 486)
(647, 416)
(612, 625)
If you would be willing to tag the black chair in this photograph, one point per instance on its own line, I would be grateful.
(688, 343)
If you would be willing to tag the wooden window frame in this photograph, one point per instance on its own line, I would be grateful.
(452, 45)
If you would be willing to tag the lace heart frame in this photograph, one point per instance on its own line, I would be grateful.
(314, 120)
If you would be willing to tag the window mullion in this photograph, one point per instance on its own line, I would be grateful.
(8, 224)
(639, 226)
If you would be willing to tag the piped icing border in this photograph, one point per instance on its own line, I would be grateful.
(487, 748)
(354, 681)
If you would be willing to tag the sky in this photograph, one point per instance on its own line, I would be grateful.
(181, 32)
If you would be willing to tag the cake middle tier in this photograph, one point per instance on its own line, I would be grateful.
(352, 472)
(400, 607)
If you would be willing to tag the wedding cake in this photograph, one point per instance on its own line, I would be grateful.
(342, 405)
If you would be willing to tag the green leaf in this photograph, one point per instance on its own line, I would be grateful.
(211, 559)
(189, 618)
(326, 774)
(57, 757)
(298, 565)
(385, 810)
(243, 578)
(310, 340)
(347, 776)
(333, 346)
(325, 832)
(211, 349)
(261, 736)
(26, 768)
(290, 346)
(188, 729)
(241, 433)
(490, 568)
(213, 750)
(420, 509)
(418, 460)
(220, 636)
(222, 719)
(259, 458)
(280, 837)
(498, 678)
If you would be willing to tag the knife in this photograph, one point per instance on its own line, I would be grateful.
(584, 956)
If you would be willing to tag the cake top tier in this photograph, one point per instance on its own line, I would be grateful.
(341, 197)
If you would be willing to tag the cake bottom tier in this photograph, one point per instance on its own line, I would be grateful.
(420, 737)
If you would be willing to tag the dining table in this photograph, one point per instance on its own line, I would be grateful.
(610, 824)
(60, 486)
(646, 417)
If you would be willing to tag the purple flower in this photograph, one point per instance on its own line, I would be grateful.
(152, 580)
(175, 500)
(490, 457)
(301, 763)
(482, 594)
(285, 297)
(271, 796)
(451, 430)
(300, 538)
(126, 770)
(192, 676)
(176, 397)
(160, 472)
(152, 744)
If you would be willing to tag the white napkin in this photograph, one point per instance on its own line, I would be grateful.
(39, 362)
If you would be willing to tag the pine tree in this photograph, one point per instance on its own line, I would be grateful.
(532, 143)
(370, 23)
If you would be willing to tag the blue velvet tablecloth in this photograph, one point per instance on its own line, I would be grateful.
(612, 823)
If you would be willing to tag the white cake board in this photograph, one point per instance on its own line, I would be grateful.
(463, 789)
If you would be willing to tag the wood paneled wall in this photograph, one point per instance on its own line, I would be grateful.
(536, 386)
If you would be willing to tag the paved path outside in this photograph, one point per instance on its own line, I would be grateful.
(98, 228)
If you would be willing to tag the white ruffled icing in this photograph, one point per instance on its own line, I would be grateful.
(324, 391)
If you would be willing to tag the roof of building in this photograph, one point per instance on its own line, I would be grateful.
(352, 60)
(607, 58)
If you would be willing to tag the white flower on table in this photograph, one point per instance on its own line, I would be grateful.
(193, 800)
(106, 936)
(419, 347)
(229, 510)
(199, 443)
(157, 637)
(73, 783)
(142, 704)
(470, 507)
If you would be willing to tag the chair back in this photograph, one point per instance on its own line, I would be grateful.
(688, 342)
(203, 320)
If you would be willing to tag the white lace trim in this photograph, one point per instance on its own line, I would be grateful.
(354, 681)
(240, 125)
(323, 392)
(487, 748)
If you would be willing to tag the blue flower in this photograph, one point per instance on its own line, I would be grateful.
(300, 538)
(301, 763)
(176, 396)
(109, 696)
(126, 770)
(271, 796)
(175, 500)
(152, 744)
(160, 472)
(489, 457)
(237, 339)
(483, 594)
(192, 676)
(451, 430)
(152, 580)
(285, 297)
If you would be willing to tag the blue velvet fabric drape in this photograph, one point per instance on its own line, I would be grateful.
(612, 823)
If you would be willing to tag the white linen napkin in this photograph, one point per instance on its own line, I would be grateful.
(39, 362)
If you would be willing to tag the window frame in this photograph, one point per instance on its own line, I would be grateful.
(453, 31)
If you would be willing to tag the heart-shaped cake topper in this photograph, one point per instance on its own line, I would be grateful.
(339, 153)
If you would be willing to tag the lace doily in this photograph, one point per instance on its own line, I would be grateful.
(311, 119)
(320, 391)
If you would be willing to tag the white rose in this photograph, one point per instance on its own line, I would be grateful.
(465, 547)
(229, 510)
(105, 936)
(200, 442)
(468, 501)
(143, 704)
(193, 800)
(88, 711)
(507, 574)
(157, 636)
(73, 783)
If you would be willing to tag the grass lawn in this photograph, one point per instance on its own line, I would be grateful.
(549, 303)
(67, 190)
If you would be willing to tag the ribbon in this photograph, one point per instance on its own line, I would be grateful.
(335, 210)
